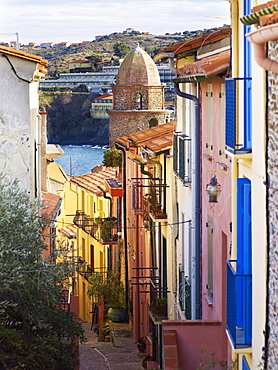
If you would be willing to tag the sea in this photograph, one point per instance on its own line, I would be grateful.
(79, 160)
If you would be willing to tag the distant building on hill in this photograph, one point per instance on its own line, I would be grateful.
(101, 106)
(80, 65)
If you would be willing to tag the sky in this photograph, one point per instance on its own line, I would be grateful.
(81, 20)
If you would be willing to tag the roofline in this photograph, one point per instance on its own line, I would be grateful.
(21, 54)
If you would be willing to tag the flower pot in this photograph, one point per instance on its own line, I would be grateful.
(141, 347)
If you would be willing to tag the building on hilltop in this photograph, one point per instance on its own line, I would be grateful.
(138, 96)
(101, 105)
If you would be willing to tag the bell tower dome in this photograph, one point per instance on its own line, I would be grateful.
(138, 96)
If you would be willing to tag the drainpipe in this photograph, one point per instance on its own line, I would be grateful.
(259, 38)
(107, 197)
(197, 199)
(124, 223)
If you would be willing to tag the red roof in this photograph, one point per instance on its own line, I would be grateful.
(79, 61)
(188, 45)
(156, 138)
(104, 96)
(207, 67)
(51, 203)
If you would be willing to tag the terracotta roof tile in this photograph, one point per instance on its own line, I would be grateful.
(207, 67)
(94, 180)
(188, 45)
(51, 204)
(156, 138)
(70, 231)
(23, 55)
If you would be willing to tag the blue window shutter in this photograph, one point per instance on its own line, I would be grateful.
(244, 364)
(244, 252)
(240, 224)
(230, 130)
(247, 229)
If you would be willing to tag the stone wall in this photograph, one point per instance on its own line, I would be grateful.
(125, 97)
(272, 173)
(128, 122)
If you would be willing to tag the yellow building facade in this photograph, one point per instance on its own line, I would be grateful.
(87, 203)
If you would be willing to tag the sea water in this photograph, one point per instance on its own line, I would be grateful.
(79, 160)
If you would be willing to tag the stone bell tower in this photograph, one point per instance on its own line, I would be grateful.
(138, 101)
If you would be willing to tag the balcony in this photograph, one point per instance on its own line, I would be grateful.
(238, 138)
(85, 270)
(105, 231)
(157, 200)
(182, 157)
(83, 221)
(239, 306)
(148, 198)
(158, 308)
(184, 297)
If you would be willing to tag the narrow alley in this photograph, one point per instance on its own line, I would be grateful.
(120, 354)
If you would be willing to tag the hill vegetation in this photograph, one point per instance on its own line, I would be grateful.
(115, 46)
(69, 119)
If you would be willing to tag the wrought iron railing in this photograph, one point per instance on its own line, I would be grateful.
(239, 306)
(158, 299)
(157, 198)
(184, 297)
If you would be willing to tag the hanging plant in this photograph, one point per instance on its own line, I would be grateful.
(112, 157)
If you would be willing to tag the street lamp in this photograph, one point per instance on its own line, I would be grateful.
(213, 190)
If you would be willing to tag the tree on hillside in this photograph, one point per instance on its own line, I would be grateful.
(35, 333)
(121, 49)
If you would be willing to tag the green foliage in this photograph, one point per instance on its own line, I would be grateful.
(112, 157)
(121, 49)
(34, 332)
(161, 301)
(109, 288)
(213, 363)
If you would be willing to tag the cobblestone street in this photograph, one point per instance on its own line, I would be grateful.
(121, 354)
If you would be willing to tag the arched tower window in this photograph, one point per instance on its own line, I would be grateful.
(138, 98)
(153, 122)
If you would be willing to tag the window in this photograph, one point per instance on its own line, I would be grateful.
(182, 157)
(153, 122)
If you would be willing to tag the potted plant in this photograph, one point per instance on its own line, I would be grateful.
(107, 229)
(112, 158)
(161, 306)
(141, 344)
(110, 289)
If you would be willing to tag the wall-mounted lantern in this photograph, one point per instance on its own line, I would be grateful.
(213, 190)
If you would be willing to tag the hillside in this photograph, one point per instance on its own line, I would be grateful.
(104, 48)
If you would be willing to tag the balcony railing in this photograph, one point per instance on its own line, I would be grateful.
(148, 196)
(238, 115)
(157, 199)
(182, 157)
(184, 294)
(158, 299)
(106, 231)
(239, 306)
(85, 271)
(83, 221)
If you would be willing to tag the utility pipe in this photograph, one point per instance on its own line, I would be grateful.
(259, 38)
(197, 199)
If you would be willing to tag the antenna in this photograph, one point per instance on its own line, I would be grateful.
(17, 38)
